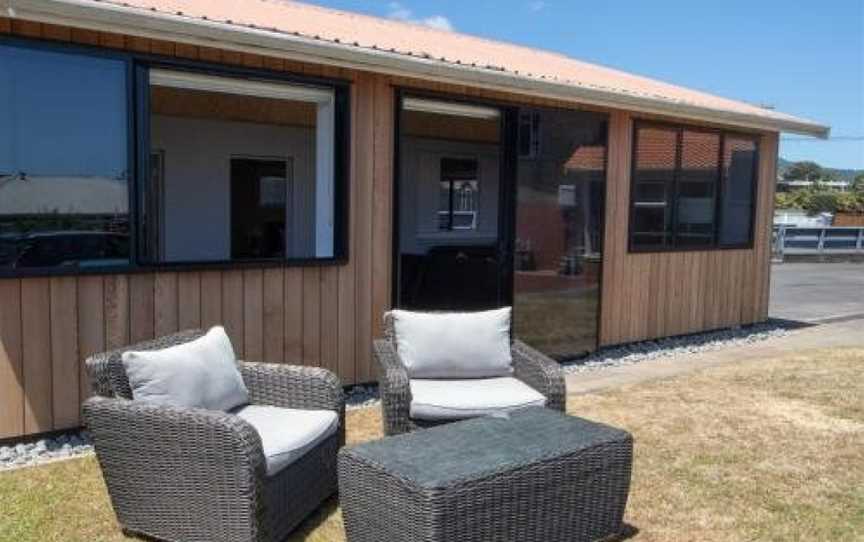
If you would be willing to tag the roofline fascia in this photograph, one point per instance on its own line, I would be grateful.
(180, 28)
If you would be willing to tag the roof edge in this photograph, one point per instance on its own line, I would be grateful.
(177, 27)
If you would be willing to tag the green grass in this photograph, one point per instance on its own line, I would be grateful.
(765, 449)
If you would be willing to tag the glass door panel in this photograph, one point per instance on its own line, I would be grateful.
(559, 230)
(449, 246)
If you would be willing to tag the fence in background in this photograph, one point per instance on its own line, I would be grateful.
(839, 241)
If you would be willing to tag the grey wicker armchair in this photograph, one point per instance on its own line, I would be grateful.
(529, 366)
(199, 475)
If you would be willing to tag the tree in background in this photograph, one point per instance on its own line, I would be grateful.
(804, 171)
(858, 184)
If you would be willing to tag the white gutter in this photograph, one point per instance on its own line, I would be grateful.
(153, 24)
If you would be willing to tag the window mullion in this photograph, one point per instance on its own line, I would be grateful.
(676, 173)
(718, 192)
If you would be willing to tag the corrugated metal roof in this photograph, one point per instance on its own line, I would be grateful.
(385, 37)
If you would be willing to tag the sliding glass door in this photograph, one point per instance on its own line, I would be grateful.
(558, 249)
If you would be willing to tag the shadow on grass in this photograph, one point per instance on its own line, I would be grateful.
(627, 532)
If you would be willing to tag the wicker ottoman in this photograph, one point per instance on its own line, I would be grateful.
(533, 475)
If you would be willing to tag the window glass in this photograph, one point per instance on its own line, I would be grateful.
(64, 183)
(683, 197)
(559, 234)
(459, 196)
(241, 170)
(739, 171)
(654, 175)
(696, 186)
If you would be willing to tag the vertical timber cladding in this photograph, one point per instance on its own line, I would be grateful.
(319, 316)
(327, 316)
(654, 295)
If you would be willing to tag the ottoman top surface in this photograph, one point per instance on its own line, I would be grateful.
(472, 449)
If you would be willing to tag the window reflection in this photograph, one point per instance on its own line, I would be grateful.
(559, 225)
(64, 194)
(459, 195)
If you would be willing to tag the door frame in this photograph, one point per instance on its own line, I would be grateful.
(507, 186)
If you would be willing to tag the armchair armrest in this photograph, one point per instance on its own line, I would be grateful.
(394, 387)
(541, 373)
(175, 460)
(295, 386)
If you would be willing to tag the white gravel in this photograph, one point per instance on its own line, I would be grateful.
(62, 446)
(361, 396)
(676, 347)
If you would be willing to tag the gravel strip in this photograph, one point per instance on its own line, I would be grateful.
(361, 396)
(677, 347)
(62, 446)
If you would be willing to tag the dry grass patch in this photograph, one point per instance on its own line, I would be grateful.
(762, 450)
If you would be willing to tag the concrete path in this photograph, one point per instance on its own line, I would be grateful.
(817, 292)
(847, 333)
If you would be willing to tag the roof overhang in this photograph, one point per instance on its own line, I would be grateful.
(116, 18)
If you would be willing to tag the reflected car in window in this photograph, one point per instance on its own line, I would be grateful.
(71, 248)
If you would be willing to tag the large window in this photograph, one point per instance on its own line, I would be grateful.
(242, 170)
(231, 167)
(64, 166)
(692, 188)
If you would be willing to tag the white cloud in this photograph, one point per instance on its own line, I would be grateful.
(536, 5)
(400, 13)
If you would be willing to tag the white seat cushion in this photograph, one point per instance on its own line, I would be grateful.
(197, 374)
(455, 344)
(286, 433)
(459, 399)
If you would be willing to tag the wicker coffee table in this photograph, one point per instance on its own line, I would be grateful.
(533, 475)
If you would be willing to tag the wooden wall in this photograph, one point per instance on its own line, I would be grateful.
(321, 316)
(327, 316)
(662, 294)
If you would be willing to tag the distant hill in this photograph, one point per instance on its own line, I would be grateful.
(839, 174)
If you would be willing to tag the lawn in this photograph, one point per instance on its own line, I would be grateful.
(762, 450)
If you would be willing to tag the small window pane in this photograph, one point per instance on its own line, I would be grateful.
(697, 185)
(459, 197)
(739, 179)
(64, 194)
(654, 175)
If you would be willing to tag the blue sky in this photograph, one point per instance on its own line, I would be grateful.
(802, 57)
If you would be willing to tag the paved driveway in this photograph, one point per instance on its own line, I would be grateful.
(817, 292)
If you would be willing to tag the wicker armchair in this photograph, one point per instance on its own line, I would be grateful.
(530, 366)
(199, 475)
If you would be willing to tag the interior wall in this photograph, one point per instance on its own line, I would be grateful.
(418, 193)
(197, 184)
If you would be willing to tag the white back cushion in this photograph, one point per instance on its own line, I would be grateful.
(199, 374)
(454, 345)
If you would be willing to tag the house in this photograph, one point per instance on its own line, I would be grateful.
(292, 172)
(789, 185)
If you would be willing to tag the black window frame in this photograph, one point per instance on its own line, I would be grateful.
(679, 129)
(138, 152)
